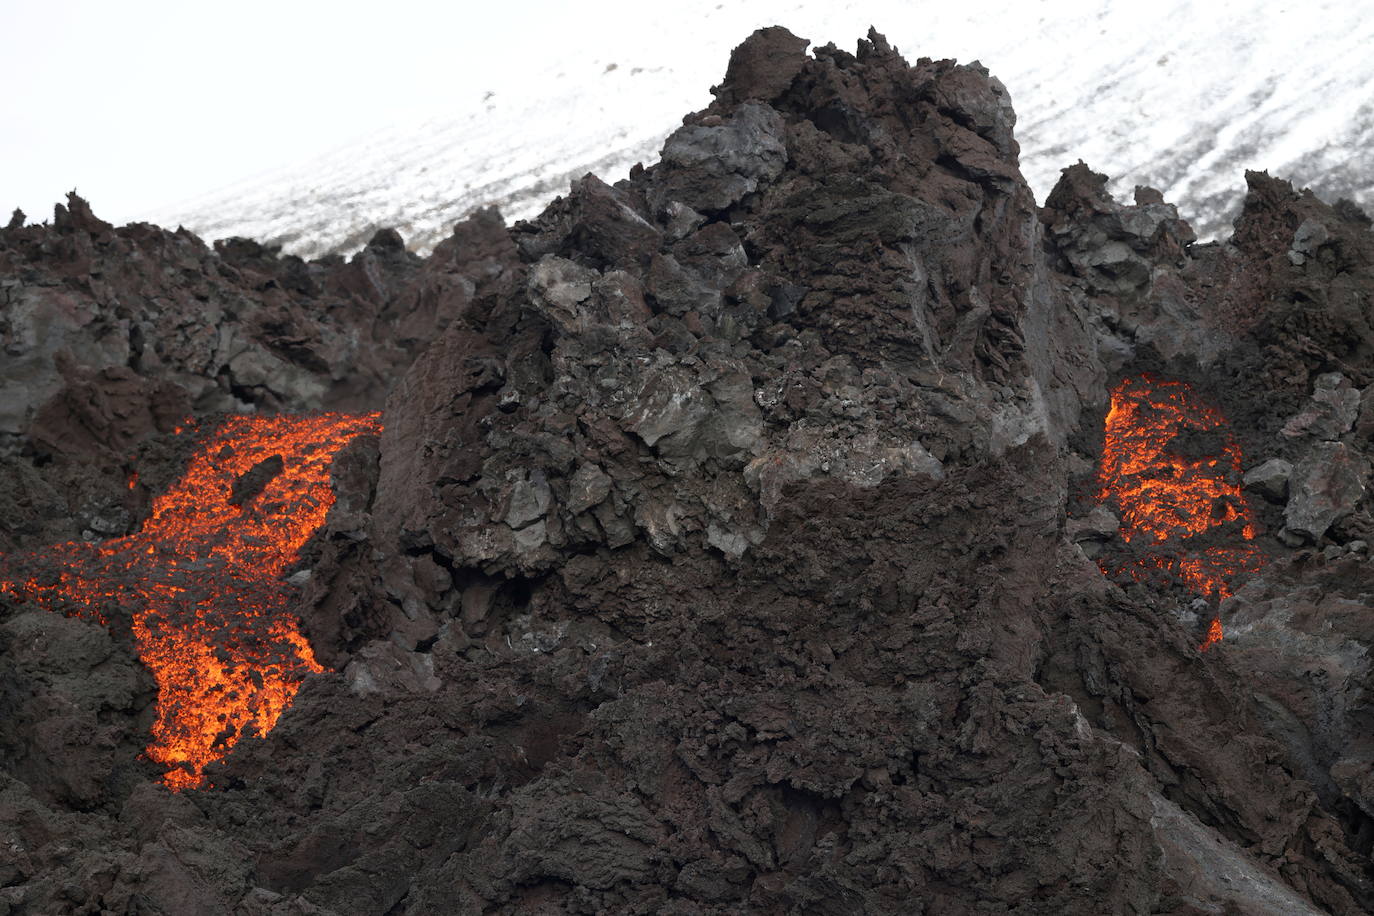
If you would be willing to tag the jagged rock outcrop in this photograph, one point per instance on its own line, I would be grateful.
(112, 334)
(724, 549)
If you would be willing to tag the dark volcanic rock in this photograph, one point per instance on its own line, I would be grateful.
(1270, 479)
(251, 482)
(724, 550)
(1326, 485)
(762, 67)
(74, 703)
(1334, 408)
(711, 164)
(110, 334)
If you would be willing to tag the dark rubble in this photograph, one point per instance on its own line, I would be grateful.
(724, 549)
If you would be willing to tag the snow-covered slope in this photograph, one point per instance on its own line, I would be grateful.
(1180, 95)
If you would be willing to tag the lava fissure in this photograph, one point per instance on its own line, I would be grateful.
(204, 582)
(1173, 470)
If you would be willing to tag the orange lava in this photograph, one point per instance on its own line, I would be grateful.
(204, 584)
(1173, 469)
(1214, 635)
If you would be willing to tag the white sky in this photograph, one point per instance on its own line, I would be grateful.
(143, 103)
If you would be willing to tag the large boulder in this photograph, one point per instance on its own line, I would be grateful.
(1325, 486)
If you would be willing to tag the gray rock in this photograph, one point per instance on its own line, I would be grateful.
(1356, 779)
(1364, 425)
(681, 220)
(532, 537)
(1325, 487)
(1270, 479)
(1310, 236)
(1117, 266)
(1332, 412)
(619, 529)
(688, 419)
(38, 323)
(588, 487)
(529, 500)
(1113, 251)
(607, 226)
(669, 403)
(660, 525)
(1291, 539)
(737, 426)
(558, 289)
(1092, 531)
(621, 296)
(921, 461)
(987, 103)
(1098, 525)
(677, 291)
(1212, 868)
(385, 668)
(731, 543)
(711, 166)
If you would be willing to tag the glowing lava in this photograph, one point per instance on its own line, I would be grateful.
(204, 582)
(1213, 636)
(1173, 469)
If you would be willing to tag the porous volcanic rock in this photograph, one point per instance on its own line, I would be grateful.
(723, 550)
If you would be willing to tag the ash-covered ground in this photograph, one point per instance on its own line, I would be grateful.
(731, 544)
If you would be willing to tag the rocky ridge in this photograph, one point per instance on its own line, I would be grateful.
(727, 545)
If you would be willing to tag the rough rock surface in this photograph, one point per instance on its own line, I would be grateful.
(1326, 486)
(724, 549)
(110, 335)
(1270, 479)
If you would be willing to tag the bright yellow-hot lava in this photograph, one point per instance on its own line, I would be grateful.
(1173, 469)
(204, 582)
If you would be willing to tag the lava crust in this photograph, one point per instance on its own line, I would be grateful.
(807, 523)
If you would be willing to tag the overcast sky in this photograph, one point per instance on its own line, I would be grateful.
(140, 104)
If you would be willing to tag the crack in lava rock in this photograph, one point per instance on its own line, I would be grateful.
(204, 582)
(1171, 465)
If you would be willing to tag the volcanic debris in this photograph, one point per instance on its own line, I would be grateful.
(732, 542)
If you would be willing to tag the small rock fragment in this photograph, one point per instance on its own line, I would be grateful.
(587, 488)
(1270, 479)
(248, 485)
(529, 500)
(1093, 530)
(1310, 236)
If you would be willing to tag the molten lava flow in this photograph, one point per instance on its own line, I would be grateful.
(1214, 635)
(203, 580)
(1173, 470)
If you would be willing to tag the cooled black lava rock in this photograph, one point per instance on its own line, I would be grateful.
(250, 484)
(717, 553)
